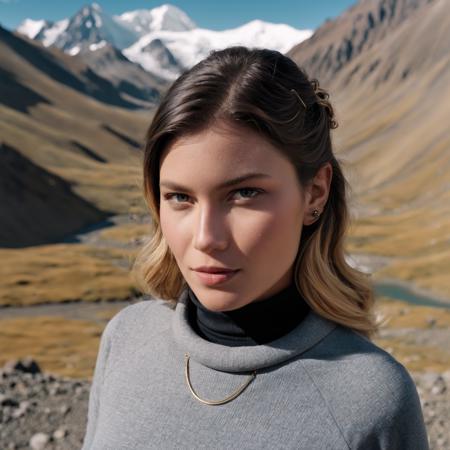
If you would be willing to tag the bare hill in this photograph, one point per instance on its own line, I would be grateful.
(129, 79)
(337, 42)
(35, 205)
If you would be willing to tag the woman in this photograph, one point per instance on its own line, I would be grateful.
(258, 335)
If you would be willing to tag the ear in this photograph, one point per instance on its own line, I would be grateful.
(317, 193)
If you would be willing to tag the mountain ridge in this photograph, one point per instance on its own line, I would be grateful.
(164, 41)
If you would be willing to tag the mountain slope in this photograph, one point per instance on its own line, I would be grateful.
(93, 147)
(393, 102)
(131, 81)
(61, 68)
(337, 42)
(37, 206)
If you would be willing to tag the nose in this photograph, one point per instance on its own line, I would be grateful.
(210, 230)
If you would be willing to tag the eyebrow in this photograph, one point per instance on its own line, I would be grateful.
(228, 183)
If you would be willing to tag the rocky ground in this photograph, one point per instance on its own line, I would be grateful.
(42, 411)
(39, 410)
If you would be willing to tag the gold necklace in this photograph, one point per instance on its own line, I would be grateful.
(214, 402)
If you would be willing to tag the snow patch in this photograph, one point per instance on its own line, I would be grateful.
(94, 47)
(31, 27)
(98, 21)
(74, 50)
(165, 17)
(53, 33)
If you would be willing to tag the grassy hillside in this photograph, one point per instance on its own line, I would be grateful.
(64, 272)
(416, 335)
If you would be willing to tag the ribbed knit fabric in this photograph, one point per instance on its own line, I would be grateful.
(320, 386)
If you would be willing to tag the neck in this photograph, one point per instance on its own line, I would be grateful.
(256, 323)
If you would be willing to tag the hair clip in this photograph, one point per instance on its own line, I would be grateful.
(297, 94)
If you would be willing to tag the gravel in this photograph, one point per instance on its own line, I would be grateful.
(40, 410)
(43, 411)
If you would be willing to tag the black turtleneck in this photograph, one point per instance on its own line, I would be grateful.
(253, 324)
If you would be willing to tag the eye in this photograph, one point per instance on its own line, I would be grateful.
(172, 195)
(253, 192)
(245, 193)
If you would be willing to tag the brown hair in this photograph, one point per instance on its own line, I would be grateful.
(253, 88)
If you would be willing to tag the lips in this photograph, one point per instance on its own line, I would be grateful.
(214, 277)
(206, 269)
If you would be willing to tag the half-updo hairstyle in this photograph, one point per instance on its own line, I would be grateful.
(267, 92)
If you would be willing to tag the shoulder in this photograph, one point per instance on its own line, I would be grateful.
(348, 354)
(139, 319)
(144, 309)
(370, 394)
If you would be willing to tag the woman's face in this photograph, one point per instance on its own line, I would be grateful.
(207, 218)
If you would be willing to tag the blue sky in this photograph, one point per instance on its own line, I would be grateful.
(303, 14)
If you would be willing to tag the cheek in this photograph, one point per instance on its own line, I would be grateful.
(172, 231)
(273, 233)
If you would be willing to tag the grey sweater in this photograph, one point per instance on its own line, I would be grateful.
(320, 386)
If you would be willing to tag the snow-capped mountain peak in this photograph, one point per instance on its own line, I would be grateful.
(164, 17)
(95, 25)
(90, 26)
(89, 16)
(162, 40)
(189, 47)
(31, 28)
(43, 30)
